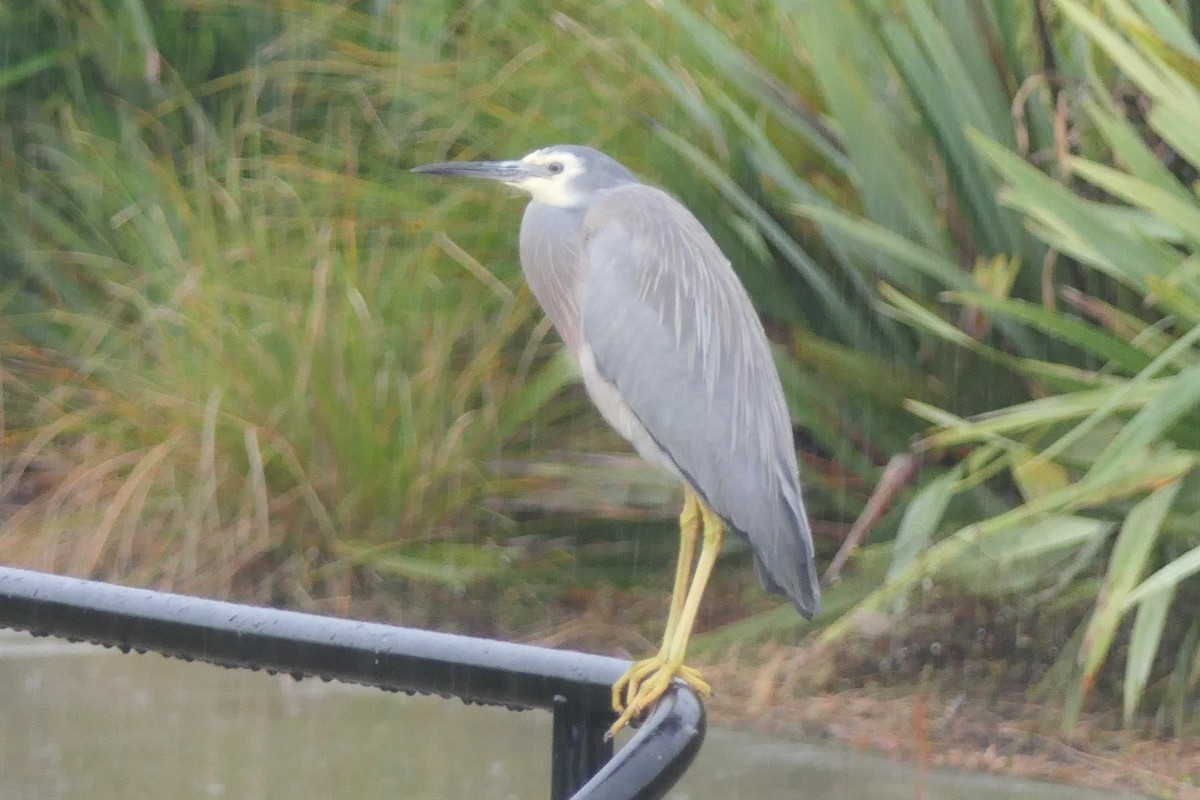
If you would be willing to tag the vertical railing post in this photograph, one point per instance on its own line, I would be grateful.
(578, 749)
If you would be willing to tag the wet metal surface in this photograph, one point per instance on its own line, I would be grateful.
(575, 686)
(84, 722)
(230, 634)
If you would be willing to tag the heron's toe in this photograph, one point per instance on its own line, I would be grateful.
(644, 683)
(626, 688)
(692, 678)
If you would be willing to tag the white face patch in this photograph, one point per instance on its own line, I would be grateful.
(554, 188)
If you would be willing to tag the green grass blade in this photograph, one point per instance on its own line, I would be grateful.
(1027, 558)
(1130, 557)
(908, 261)
(1160, 363)
(12, 75)
(1178, 398)
(1126, 57)
(1176, 120)
(1167, 576)
(903, 307)
(1164, 21)
(1182, 680)
(1163, 204)
(1131, 150)
(922, 518)
(1112, 349)
(1148, 626)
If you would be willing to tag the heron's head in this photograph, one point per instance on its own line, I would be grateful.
(564, 175)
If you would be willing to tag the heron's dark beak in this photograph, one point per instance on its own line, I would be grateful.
(504, 171)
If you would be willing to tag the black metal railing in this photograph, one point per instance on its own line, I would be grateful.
(574, 686)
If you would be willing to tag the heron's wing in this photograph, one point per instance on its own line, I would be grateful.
(672, 331)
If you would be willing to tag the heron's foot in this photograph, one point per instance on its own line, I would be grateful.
(644, 683)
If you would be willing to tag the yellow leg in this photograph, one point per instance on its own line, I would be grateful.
(646, 681)
(689, 533)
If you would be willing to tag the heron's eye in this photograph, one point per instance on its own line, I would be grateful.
(555, 167)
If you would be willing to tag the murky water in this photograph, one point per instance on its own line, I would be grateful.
(83, 722)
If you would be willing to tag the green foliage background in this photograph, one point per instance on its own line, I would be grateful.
(243, 351)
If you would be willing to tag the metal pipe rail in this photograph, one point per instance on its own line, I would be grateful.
(574, 686)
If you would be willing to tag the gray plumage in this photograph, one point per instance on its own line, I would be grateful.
(668, 344)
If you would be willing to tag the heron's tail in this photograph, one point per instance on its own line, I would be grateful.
(787, 564)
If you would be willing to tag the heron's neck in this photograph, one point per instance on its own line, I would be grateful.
(551, 261)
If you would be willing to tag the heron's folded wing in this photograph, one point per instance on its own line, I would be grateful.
(671, 328)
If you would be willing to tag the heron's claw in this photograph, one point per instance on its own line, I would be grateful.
(644, 683)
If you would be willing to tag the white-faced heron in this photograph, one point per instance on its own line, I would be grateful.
(674, 357)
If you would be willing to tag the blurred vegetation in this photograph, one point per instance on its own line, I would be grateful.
(242, 337)
(243, 351)
(997, 211)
